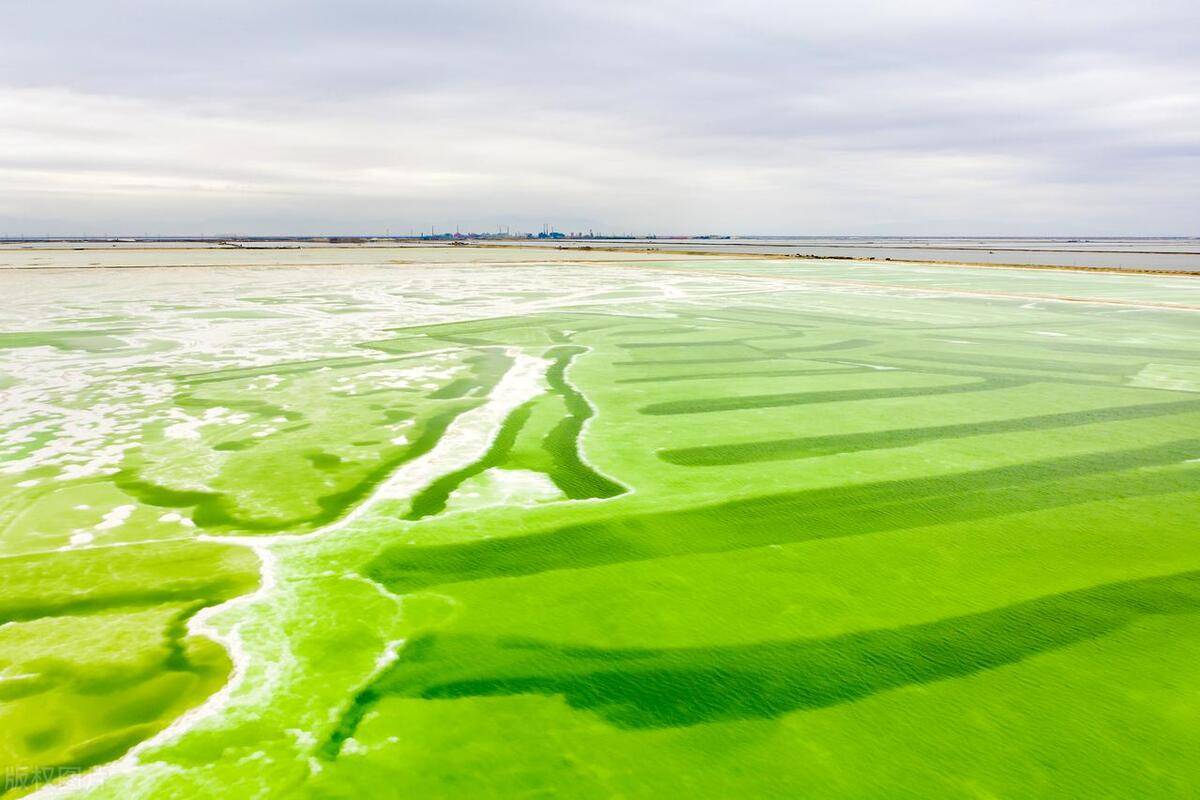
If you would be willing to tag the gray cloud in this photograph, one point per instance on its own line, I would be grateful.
(754, 117)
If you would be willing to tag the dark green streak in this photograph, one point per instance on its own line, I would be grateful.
(576, 479)
(1157, 353)
(797, 516)
(756, 356)
(1007, 362)
(704, 405)
(458, 387)
(695, 343)
(794, 373)
(92, 580)
(845, 344)
(673, 331)
(177, 659)
(810, 446)
(656, 688)
(93, 341)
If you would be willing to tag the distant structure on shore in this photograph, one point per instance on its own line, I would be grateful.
(432, 236)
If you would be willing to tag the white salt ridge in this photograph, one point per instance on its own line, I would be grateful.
(115, 518)
(862, 364)
(504, 487)
(1175, 377)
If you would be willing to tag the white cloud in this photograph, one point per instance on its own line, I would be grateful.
(924, 117)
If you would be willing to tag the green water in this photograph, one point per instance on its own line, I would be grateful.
(746, 528)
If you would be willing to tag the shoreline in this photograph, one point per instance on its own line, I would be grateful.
(773, 257)
(724, 256)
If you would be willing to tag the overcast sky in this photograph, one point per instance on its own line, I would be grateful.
(1077, 117)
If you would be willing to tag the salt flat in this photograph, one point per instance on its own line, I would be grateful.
(446, 522)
